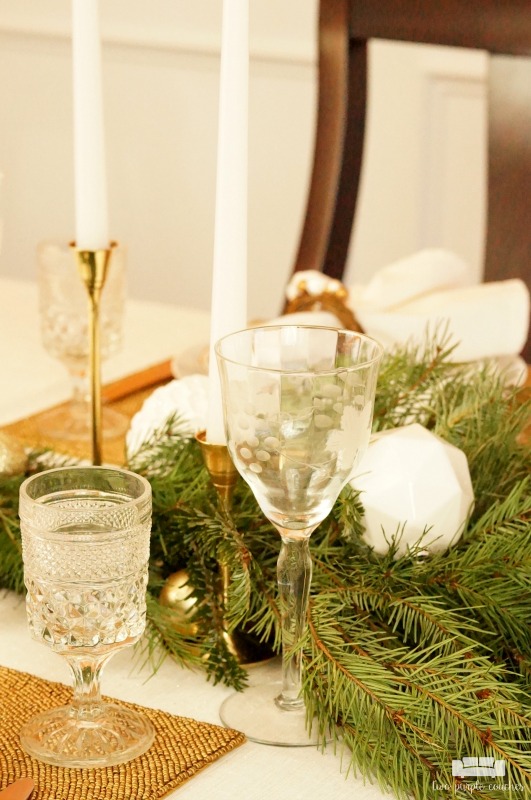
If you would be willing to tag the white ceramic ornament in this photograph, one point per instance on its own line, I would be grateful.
(413, 481)
(187, 397)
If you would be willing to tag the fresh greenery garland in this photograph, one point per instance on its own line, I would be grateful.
(412, 662)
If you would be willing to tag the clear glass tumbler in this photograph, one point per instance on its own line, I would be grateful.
(85, 544)
(298, 403)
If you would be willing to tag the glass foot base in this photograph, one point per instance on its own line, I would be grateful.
(72, 424)
(61, 738)
(255, 713)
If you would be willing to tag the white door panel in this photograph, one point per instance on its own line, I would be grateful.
(424, 173)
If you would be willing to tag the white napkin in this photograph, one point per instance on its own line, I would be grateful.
(432, 288)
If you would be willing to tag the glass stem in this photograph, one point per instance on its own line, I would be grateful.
(294, 574)
(87, 702)
(80, 387)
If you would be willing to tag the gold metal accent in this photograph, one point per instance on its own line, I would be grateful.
(220, 467)
(224, 476)
(333, 300)
(93, 266)
(178, 595)
(13, 458)
(182, 747)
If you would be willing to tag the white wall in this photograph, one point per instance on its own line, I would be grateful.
(161, 76)
(161, 80)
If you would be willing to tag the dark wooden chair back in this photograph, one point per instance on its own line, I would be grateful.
(503, 29)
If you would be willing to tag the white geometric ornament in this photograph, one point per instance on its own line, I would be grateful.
(413, 483)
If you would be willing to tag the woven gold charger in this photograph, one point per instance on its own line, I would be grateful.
(182, 747)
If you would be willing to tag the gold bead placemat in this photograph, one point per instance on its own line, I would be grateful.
(182, 747)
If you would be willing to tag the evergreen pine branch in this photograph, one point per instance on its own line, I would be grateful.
(476, 412)
(427, 703)
(11, 574)
(409, 375)
(166, 637)
(412, 661)
(491, 574)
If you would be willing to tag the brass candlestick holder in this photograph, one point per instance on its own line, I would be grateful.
(224, 476)
(93, 266)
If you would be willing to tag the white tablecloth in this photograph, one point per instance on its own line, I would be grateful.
(30, 381)
(252, 771)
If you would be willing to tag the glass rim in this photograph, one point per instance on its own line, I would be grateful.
(367, 362)
(144, 495)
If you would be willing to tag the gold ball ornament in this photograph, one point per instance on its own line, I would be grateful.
(13, 458)
(178, 595)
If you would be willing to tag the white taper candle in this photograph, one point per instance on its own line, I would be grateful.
(92, 231)
(229, 281)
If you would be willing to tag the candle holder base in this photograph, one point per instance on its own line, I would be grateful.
(247, 649)
(72, 423)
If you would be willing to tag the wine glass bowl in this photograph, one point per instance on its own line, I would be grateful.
(298, 404)
(63, 307)
(85, 539)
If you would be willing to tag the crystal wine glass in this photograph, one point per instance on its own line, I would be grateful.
(63, 305)
(85, 545)
(298, 404)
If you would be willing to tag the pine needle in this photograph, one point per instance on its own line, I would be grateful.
(411, 662)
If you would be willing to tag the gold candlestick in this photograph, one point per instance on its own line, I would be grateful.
(221, 469)
(93, 266)
(224, 477)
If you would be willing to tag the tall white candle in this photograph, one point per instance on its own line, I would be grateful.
(92, 232)
(229, 281)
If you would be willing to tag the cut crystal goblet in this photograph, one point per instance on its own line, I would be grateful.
(85, 543)
(298, 404)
